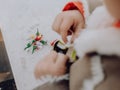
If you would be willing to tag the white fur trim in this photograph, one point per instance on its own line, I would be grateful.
(103, 41)
(97, 74)
(100, 18)
(49, 78)
(86, 9)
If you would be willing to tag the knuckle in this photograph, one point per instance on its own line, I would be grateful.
(62, 29)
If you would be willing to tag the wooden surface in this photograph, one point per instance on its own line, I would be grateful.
(1, 36)
(5, 68)
(61, 85)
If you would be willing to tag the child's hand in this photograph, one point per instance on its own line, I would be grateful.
(52, 64)
(66, 21)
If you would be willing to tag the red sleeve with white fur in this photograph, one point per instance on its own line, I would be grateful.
(74, 6)
(80, 5)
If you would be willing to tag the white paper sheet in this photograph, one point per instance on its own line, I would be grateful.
(18, 20)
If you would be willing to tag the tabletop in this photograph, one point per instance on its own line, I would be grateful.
(19, 19)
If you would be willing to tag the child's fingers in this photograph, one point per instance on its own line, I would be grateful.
(38, 72)
(57, 23)
(65, 27)
(61, 59)
(60, 65)
(72, 39)
(52, 56)
(64, 36)
(74, 36)
(76, 33)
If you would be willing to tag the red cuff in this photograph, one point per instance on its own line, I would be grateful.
(117, 24)
(75, 6)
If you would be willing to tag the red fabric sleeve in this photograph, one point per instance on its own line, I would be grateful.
(117, 24)
(74, 6)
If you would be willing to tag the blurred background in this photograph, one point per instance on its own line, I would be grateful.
(6, 76)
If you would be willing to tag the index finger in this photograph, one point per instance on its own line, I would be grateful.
(65, 27)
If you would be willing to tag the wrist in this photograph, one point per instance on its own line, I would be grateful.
(81, 6)
(74, 6)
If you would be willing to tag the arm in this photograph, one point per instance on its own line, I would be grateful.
(84, 6)
(72, 19)
(81, 5)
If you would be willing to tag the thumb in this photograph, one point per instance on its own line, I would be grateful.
(76, 33)
(72, 38)
(64, 36)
